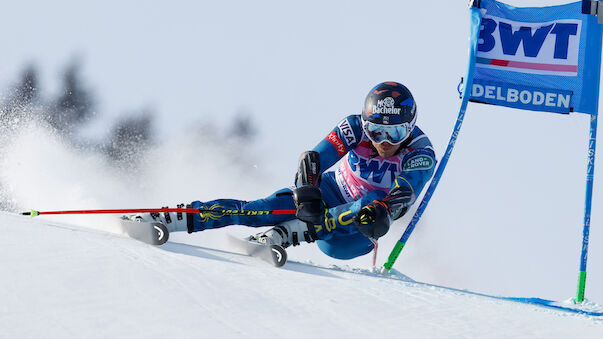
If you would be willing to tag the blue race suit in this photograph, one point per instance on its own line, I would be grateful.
(360, 178)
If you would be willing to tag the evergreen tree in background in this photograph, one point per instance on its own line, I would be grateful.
(75, 105)
(26, 92)
(130, 136)
(22, 96)
(243, 128)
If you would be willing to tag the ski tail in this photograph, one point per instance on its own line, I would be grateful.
(272, 254)
(153, 233)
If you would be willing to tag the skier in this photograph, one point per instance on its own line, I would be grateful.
(387, 162)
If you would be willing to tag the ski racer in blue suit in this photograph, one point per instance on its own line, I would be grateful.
(386, 160)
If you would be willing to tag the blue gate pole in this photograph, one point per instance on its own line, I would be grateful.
(590, 174)
(476, 18)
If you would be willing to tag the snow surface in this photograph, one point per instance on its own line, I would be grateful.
(60, 280)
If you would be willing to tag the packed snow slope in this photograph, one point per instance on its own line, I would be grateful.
(67, 281)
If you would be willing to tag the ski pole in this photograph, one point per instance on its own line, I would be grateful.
(475, 29)
(34, 213)
(376, 245)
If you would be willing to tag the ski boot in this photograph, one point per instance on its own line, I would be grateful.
(270, 245)
(286, 234)
(154, 228)
(174, 222)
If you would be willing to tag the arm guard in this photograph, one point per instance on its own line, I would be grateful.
(307, 196)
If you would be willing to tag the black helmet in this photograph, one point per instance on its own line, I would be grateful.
(389, 104)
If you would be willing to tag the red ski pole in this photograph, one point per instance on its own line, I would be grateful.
(34, 213)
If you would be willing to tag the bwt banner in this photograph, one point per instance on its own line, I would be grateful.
(541, 59)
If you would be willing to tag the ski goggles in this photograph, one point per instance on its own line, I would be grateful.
(394, 134)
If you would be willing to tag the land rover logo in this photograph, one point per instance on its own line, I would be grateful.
(418, 162)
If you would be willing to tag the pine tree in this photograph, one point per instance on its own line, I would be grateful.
(130, 136)
(22, 95)
(75, 104)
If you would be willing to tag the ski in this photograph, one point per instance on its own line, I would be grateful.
(272, 254)
(153, 233)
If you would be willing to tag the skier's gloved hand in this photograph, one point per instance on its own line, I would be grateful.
(309, 204)
(399, 199)
(373, 219)
(307, 196)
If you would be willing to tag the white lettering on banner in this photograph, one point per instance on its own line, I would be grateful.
(512, 95)
(564, 101)
(498, 94)
(528, 97)
(538, 98)
(525, 97)
(550, 100)
(490, 92)
(478, 90)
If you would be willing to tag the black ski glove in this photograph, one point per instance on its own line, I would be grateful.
(373, 220)
(309, 204)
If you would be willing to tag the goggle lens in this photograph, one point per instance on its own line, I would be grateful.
(394, 134)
